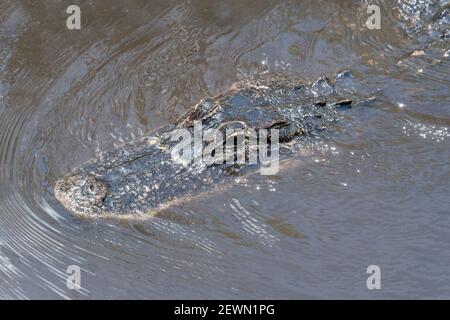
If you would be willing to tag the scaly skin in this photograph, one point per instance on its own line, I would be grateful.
(140, 178)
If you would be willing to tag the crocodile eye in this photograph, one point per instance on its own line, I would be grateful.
(203, 108)
(206, 105)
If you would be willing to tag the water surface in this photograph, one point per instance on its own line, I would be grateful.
(374, 192)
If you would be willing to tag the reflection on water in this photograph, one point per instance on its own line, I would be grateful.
(376, 192)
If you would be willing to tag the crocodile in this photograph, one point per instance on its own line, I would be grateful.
(142, 177)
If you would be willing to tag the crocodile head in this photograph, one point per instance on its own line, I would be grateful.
(83, 194)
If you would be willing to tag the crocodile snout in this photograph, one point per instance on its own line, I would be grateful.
(83, 194)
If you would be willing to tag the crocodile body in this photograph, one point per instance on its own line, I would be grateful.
(142, 177)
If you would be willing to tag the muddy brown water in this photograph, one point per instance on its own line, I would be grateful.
(375, 193)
